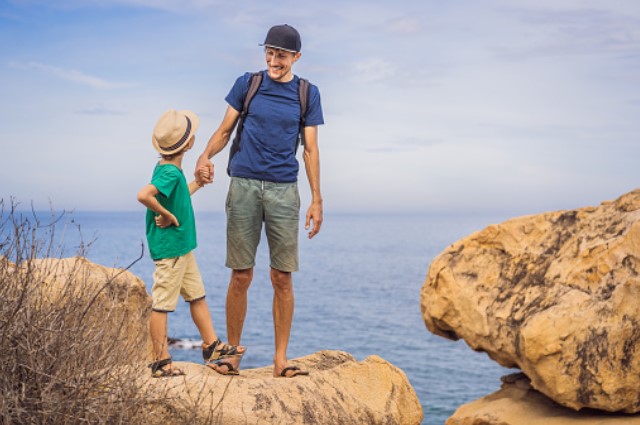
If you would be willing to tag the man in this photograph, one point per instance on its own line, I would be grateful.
(263, 186)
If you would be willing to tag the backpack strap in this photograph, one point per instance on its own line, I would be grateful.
(254, 85)
(303, 94)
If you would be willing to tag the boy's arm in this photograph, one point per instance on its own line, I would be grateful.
(312, 167)
(217, 142)
(194, 186)
(147, 197)
(201, 179)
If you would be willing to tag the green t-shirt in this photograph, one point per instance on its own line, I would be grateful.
(174, 196)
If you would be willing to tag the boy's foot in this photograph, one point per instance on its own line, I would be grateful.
(164, 369)
(219, 350)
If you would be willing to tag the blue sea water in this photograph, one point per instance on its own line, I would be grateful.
(358, 290)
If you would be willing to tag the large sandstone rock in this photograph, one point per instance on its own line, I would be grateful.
(113, 297)
(339, 390)
(556, 295)
(516, 403)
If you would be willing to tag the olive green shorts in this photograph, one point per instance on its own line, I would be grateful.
(174, 277)
(249, 204)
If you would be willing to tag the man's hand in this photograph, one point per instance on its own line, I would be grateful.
(314, 214)
(202, 175)
(204, 170)
(166, 221)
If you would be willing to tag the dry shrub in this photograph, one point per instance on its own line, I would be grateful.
(72, 357)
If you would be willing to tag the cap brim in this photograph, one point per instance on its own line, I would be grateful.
(278, 47)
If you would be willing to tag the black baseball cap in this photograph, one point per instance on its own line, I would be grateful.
(283, 37)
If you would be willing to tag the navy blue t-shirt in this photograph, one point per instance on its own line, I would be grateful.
(269, 136)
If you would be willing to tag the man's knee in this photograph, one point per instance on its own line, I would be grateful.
(241, 280)
(282, 281)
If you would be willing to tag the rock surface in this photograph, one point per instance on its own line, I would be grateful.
(339, 390)
(516, 403)
(556, 295)
(120, 297)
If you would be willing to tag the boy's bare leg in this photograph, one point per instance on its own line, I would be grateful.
(202, 319)
(158, 330)
(283, 304)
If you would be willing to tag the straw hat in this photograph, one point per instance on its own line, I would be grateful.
(173, 130)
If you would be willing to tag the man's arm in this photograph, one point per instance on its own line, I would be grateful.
(312, 166)
(217, 142)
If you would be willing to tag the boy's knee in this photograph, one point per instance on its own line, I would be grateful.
(198, 301)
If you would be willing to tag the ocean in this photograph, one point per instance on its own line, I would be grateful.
(358, 290)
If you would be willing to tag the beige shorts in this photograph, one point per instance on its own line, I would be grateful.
(174, 277)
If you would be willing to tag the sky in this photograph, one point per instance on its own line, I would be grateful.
(430, 106)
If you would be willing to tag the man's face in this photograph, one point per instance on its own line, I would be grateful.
(279, 63)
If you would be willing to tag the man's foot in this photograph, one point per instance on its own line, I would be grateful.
(226, 366)
(290, 372)
(219, 350)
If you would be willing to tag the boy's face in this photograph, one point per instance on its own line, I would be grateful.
(279, 63)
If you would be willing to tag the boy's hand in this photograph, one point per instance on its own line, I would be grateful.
(204, 163)
(166, 221)
(203, 176)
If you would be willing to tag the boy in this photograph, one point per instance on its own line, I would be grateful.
(171, 235)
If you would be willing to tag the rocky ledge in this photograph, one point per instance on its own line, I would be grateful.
(517, 403)
(339, 390)
(555, 295)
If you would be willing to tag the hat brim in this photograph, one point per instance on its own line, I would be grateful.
(278, 47)
(195, 123)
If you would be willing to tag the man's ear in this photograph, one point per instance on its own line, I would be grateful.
(297, 56)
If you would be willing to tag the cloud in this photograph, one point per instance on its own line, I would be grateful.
(407, 25)
(373, 70)
(71, 75)
(167, 5)
(100, 111)
(577, 32)
(405, 145)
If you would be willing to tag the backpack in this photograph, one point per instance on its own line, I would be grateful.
(254, 85)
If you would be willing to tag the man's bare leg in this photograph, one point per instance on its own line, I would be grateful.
(283, 305)
(236, 310)
(236, 305)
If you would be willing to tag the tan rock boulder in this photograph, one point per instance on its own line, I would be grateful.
(113, 297)
(516, 403)
(556, 295)
(339, 390)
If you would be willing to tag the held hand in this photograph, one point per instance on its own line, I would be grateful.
(314, 214)
(164, 222)
(204, 170)
(203, 176)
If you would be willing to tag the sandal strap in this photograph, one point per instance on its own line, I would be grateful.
(159, 364)
(219, 350)
(207, 353)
